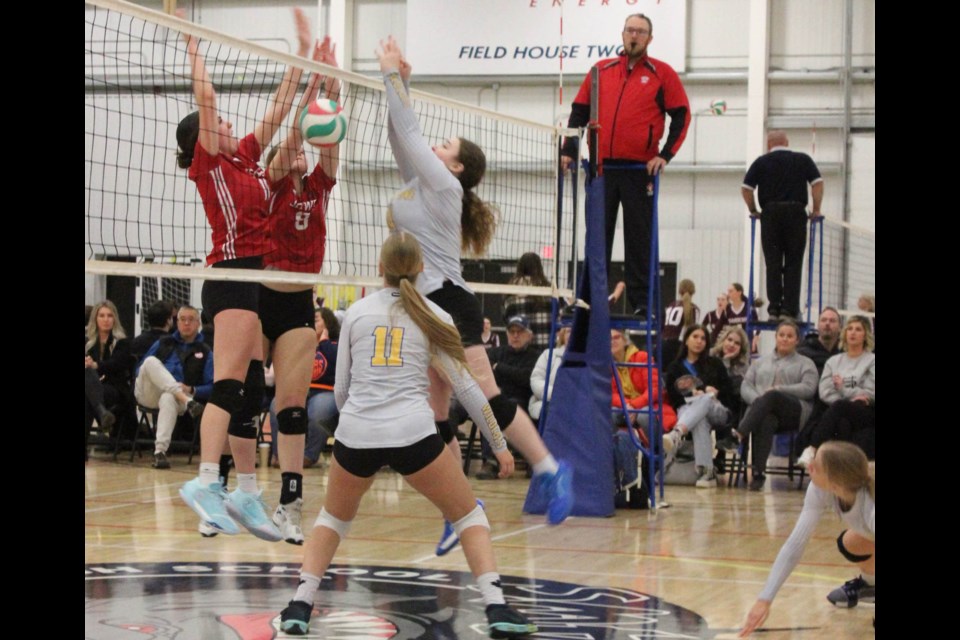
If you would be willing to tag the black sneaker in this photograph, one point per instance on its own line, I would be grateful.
(852, 593)
(160, 460)
(505, 622)
(195, 408)
(295, 619)
(756, 483)
(107, 420)
(641, 311)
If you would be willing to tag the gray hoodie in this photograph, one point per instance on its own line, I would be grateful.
(794, 374)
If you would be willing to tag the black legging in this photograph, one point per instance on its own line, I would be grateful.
(849, 421)
(772, 413)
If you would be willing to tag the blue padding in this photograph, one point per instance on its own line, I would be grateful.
(578, 427)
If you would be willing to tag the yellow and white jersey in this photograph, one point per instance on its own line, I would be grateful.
(381, 386)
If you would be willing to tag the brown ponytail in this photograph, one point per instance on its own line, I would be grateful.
(402, 261)
(478, 219)
(687, 289)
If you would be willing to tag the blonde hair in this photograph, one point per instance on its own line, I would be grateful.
(402, 261)
(744, 356)
(93, 333)
(868, 341)
(846, 464)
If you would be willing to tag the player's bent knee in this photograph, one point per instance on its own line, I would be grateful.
(856, 558)
(476, 518)
(340, 527)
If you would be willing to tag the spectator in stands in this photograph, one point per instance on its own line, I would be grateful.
(176, 375)
(714, 321)
(779, 389)
(737, 312)
(679, 315)
(700, 389)
(538, 378)
(322, 413)
(512, 366)
(490, 339)
(108, 368)
(822, 344)
(637, 391)
(868, 302)
(848, 387)
(734, 353)
(161, 316)
(536, 309)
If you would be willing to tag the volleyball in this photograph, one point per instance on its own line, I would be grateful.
(718, 107)
(322, 123)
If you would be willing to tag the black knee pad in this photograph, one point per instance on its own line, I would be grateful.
(228, 395)
(445, 430)
(292, 421)
(504, 410)
(254, 388)
(852, 557)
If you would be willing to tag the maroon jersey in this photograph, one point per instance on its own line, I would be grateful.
(298, 223)
(673, 319)
(740, 317)
(235, 194)
(713, 323)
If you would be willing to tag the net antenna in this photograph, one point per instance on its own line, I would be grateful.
(139, 205)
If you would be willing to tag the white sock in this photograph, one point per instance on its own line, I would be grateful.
(547, 465)
(307, 589)
(869, 579)
(209, 473)
(246, 482)
(490, 589)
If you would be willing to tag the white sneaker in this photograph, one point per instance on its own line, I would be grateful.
(671, 441)
(707, 479)
(206, 530)
(287, 518)
(806, 457)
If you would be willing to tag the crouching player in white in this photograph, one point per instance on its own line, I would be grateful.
(387, 343)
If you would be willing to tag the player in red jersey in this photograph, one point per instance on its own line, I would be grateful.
(298, 230)
(235, 195)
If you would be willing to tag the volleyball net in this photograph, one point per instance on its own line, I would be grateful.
(143, 216)
(844, 265)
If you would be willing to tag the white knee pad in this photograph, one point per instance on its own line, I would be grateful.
(476, 518)
(330, 522)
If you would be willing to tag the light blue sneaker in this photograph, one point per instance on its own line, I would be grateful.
(449, 539)
(559, 490)
(248, 509)
(208, 503)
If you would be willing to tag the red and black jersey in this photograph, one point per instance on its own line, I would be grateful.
(673, 319)
(298, 223)
(633, 104)
(235, 194)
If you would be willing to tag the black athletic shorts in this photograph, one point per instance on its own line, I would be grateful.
(220, 295)
(282, 311)
(363, 463)
(465, 309)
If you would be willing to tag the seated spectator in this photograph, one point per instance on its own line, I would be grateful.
(512, 366)
(637, 391)
(679, 315)
(868, 302)
(700, 389)
(734, 353)
(322, 413)
(848, 388)
(536, 309)
(176, 375)
(490, 339)
(779, 389)
(822, 344)
(716, 319)
(108, 369)
(538, 378)
(161, 316)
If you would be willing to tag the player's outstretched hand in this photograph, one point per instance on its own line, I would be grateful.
(755, 617)
(505, 458)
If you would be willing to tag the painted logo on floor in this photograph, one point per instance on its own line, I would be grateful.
(140, 601)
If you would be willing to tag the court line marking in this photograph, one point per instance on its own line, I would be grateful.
(91, 496)
(502, 536)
